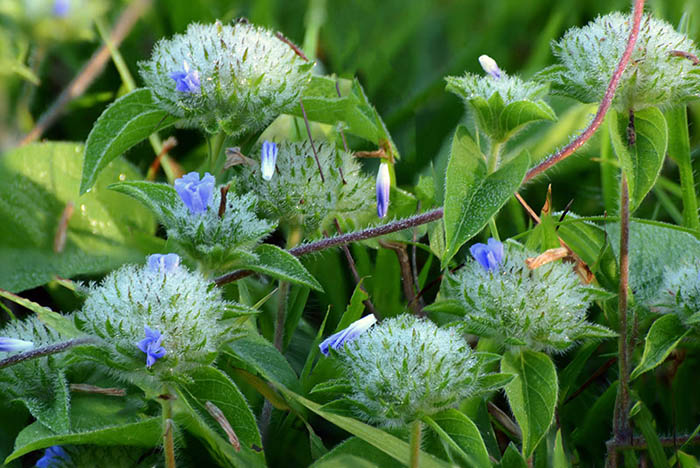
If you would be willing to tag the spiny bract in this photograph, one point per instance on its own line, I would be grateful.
(509, 88)
(541, 309)
(658, 73)
(248, 77)
(406, 367)
(298, 197)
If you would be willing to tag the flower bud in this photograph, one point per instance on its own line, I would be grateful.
(338, 340)
(268, 158)
(9, 345)
(383, 187)
(490, 66)
(163, 263)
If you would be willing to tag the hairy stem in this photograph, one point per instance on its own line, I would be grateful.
(329, 242)
(416, 429)
(569, 149)
(621, 428)
(168, 425)
(45, 351)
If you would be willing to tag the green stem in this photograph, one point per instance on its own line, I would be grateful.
(679, 151)
(608, 171)
(168, 426)
(315, 17)
(130, 85)
(492, 166)
(215, 145)
(416, 429)
(293, 239)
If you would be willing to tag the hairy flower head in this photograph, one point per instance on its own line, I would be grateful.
(680, 293)
(660, 73)
(405, 367)
(541, 309)
(236, 78)
(298, 197)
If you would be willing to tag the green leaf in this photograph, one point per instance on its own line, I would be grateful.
(259, 353)
(210, 384)
(351, 452)
(126, 122)
(569, 375)
(385, 442)
(512, 458)
(645, 422)
(51, 319)
(462, 436)
(106, 229)
(280, 264)
(642, 161)
(96, 420)
(472, 195)
(560, 460)
(161, 199)
(663, 336)
(354, 310)
(532, 394)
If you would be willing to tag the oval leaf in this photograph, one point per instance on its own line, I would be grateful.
(472, 196)
(280, 264)
(641, 162)
(663, 336)
(126, 122)
(462, 436)
(532, 394)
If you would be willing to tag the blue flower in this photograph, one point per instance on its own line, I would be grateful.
(355, 329)
(51, 457)
(490, 66)
(268, 159)
(12, 344)
(61, 8)
(151, 345)
(383, 185)
(186, 81)
(489, 256)
(163, 263)
(195, 193)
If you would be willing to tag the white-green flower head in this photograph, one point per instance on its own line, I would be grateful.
(405, 367)
(509, 88)
(542, 309)
(236, 78)
(159, 316)
(298, 197)
(680, 294)
(660, 72)
(209, 233)
(502, 104)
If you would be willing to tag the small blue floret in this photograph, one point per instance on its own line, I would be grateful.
(13, 344)
(53, 456)
(383, 186)
(489, 256)
(195, 193)
(151, 345)
(61, 8)
(187, 80)
(168, 263)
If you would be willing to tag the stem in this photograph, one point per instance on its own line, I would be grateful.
(295, 236)
(621, 428)
(416, 429)
(215, 145)
(45, 351)
(315, 17)
(355, 275)
(168, 442)
(569, 149)
(492, 165)
(326, 243)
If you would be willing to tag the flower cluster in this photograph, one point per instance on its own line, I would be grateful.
(405, 367)
(680, 294)
(503, 299)
(211, 235)
(179, 311)
(659, 72)
(236, 78)
(298, 197)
